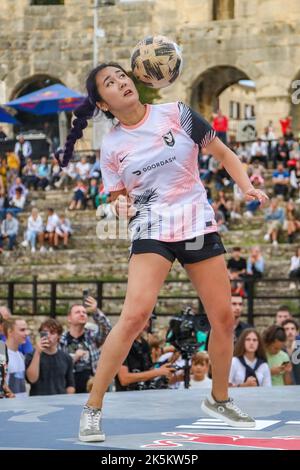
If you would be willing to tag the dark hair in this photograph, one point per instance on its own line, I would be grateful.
(52, 325)
(290, 320)
(283, 308)
(274, 333)
(84, 112)
(239, 349)
(236, 248)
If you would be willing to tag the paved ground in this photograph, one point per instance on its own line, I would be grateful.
(162, 419)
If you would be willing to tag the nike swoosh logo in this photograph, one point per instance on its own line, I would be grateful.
(122, 159)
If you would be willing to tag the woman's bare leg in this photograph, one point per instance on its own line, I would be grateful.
(147, 273)
(211, 281)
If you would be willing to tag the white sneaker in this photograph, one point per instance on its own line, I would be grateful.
(248, 215)
(275, 243)
(43, 249)
(50, 249)
(47, 188)
(33, 250)
(292, 285)
(25, 243)
(267, 237)
(90, 425)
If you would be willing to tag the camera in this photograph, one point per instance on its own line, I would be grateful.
(44, 334)
(182, 331)
(85, 294)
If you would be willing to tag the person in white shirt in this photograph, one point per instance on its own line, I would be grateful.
(199, 371)
(249, 367)
(52, 223)
(15, 330)
(83, 169)
(259, 151)
(63, 231)
(35, 230)
(23, 149)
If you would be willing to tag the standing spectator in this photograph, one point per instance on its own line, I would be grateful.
(49, 370)
(51, 224)
(275, 217)
(237, 305)
(286, 125)
(281, 181)
(237, 263)
(83, 344)
(24, 150)
(220, 125)
(15, 330)
(292, 344)
(281, 153)
(255, 263)
(294, 273)
(23, 348)
(283, 313)
(35, 230)
(259, 152)
(63, 231)
(249, 367)
(13, 167)
(295, 181)
(279, 362)
(9, 231)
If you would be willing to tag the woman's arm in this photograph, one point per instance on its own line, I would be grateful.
(234, 167)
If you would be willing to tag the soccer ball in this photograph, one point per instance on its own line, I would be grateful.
(156, 61)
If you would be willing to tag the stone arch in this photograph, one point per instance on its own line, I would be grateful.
(210, 84)
(36, 81)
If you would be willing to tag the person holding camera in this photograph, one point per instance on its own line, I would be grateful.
(49, 370)
(82, 343)
(137, 372)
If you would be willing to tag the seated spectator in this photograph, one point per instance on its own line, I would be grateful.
(291, 329)
(82, 169)
(294, 273)
(17, 184)
(292, 223)
(55, 171)
(35, 231)
(51, 224)
(79, 198)
(49, 370)
(281, 181)
(237, 305)
(220, 219)
(13, 167)
(67, 175)
(17, 203)
(294, 156)
(295, 182)
(252, 206)
(15, 330)
(237, 284)
(223, 205)
(283, 313)
(83, 344)
(255, 263)
(95, 171)
(281, 153)
(237, 262)
(275, 217)
(274, 339)
(23, 348)
(137, 372)
(102, 197)
(249, 367)
(43, 174)
(9, 231)
(259, 152)
(30, 177)
(222, 178)
(63, 231)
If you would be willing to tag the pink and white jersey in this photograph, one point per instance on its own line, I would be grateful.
(157, 162)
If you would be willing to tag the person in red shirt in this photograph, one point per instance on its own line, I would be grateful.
(220, 125)
(286, 125)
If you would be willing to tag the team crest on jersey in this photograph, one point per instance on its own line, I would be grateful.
(169, 139)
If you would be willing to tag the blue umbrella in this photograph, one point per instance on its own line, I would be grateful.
(49, 100)
(6, 117)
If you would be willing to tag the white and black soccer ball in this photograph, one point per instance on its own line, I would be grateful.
(156, 61)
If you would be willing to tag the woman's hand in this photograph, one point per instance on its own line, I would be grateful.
(256, 194)
(124, 207)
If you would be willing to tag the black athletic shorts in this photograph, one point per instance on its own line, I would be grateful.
(203, 249)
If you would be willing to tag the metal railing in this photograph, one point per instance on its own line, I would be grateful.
(58, 303)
